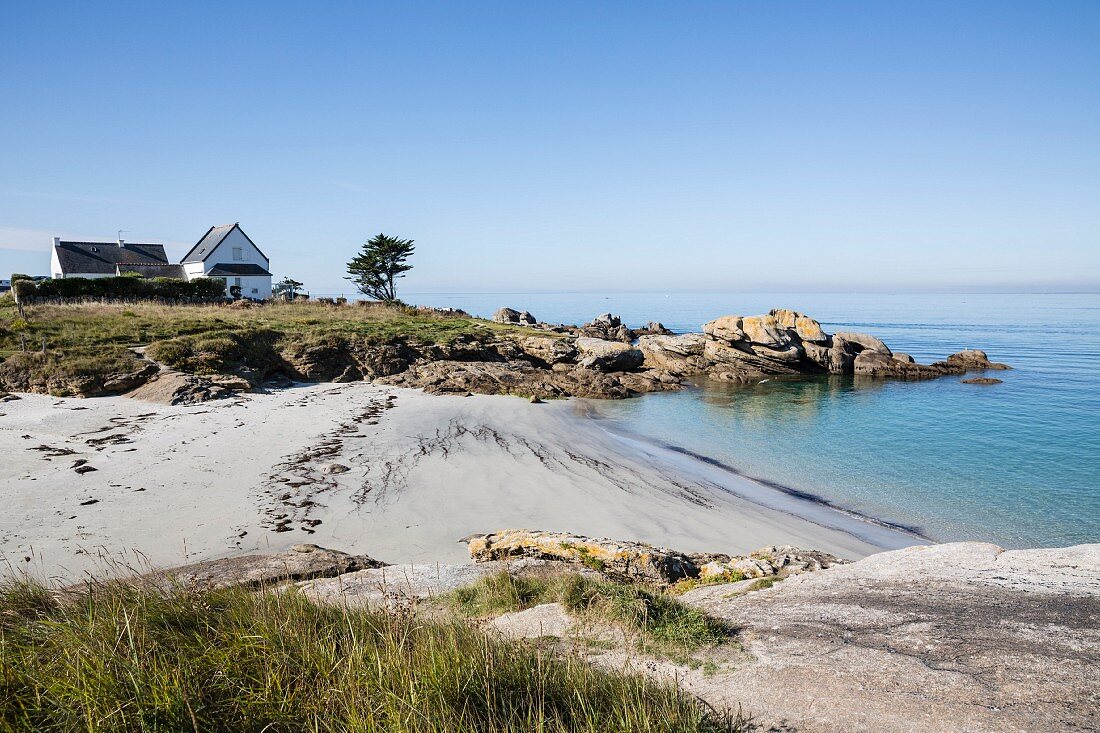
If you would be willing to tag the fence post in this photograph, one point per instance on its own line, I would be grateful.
(43, 344)
(23, 341)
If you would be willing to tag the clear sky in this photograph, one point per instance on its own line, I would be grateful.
(835, 146)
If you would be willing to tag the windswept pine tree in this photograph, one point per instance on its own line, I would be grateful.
(377, 266)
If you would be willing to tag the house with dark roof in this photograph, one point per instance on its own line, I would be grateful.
(107, 259)
(227, 252)
(224, 252)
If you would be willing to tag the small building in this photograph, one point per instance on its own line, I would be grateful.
(224, 252)
(105, 259)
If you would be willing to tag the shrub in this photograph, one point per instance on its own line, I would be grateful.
(123, 287)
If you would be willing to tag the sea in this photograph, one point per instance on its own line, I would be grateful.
(1017, 463)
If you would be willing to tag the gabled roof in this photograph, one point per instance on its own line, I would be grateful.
(210, 241)
(236, 268)
(102, 258)
(160, 269)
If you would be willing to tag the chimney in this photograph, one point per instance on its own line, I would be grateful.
(121, 242)
(57, 241)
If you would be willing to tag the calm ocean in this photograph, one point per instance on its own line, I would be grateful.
(1016, 463)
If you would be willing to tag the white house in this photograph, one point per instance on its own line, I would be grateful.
(226, 252)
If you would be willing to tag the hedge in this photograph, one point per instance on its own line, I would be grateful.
(123, 287)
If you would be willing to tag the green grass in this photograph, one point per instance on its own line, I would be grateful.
(126, 658)
(657, 619)
(210, 338)
(728, 576)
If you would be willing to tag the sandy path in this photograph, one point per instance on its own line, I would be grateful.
(179, 484)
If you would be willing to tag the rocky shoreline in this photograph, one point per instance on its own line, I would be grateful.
(961, 636)
(600, 359)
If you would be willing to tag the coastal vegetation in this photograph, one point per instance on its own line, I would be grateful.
(125, 287)
(60, 348)
(380, 262)
(656, 620)
(128, 656)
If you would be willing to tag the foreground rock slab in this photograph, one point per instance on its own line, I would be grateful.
(955, 637)
(301, 562)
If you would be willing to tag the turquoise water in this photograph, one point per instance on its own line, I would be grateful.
(1016, 463)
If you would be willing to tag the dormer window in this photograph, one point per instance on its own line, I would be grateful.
(238, 254)
(95, 249)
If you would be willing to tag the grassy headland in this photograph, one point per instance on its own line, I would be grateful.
(122, 657)
(90, 343)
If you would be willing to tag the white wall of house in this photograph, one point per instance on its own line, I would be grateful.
(255, 286)
(236, 248)
(194, 269)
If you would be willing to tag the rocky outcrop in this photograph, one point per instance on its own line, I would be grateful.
(514, 378)
(608, 356)
(768, 562)
(873, 363)
(639, 562)
(788, 343)
(607, 327)
(982, 380)
(177, 388)
(548, 350)
(301, 562)
(513, 317)
(681, 354)
(863, 341)
(943, 638)
(633, 561)
(974, 359)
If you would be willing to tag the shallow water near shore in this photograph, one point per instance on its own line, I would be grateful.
(1016, 463)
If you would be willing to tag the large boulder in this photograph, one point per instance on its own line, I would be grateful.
(871, 363)
(301, 562)
(741, 363)
(177, 388)
(805, 327)
(861, 341)
(765, 331)
(680, 354)
(725, 328)
(548, 350)
(835, 356)
(513, 317)
(974, 359)
(761, 330)
(606, 319)
(608, 356)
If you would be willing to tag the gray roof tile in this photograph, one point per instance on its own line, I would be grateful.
(102, 258)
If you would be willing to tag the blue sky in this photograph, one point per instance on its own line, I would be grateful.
(831, 146)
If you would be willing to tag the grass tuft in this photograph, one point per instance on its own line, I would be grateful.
(656, 618)
(120, 657)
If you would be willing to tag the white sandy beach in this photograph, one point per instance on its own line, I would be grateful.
(179, 484)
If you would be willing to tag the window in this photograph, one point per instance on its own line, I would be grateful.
(238, 255)
(255, 290)
(237, 281)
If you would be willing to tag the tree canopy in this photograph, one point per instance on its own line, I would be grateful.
(287, 287)
(377, 266)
